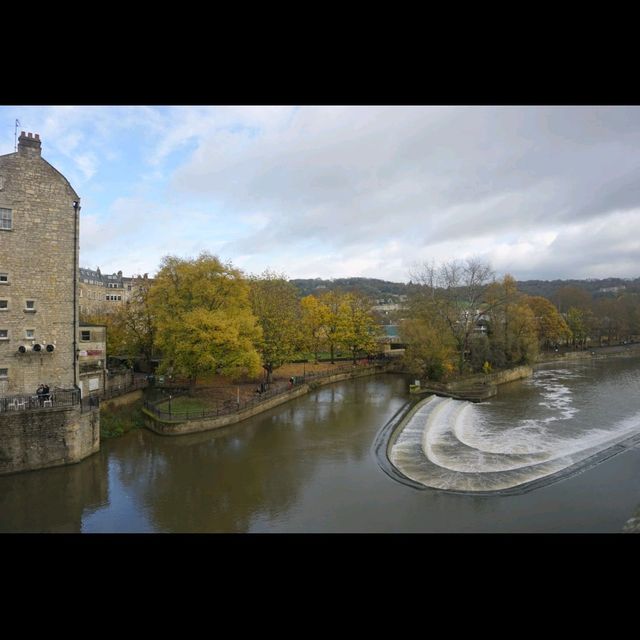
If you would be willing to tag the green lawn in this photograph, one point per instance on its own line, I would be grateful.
(182, 404)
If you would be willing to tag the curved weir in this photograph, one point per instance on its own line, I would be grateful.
(458, 446)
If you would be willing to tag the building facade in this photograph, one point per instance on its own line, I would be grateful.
(102, 293)
(92, 358)
(39, 231)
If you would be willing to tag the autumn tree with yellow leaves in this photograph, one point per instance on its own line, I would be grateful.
(203, 318)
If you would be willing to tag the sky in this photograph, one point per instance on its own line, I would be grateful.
(344, 191)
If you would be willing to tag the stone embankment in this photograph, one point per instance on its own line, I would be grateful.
(47, 438)
(629, 350)
(175, 428)
(474, 388)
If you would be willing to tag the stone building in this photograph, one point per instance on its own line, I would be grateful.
(92, 358)
(101, 293)
(39, 230)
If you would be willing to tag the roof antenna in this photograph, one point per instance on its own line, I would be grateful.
(15, 136)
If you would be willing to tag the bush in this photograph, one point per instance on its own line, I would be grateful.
(116, 421)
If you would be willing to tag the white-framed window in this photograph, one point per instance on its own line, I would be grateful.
(29, 334)
(6, 219)
(4, 334)
(4, 305)
(85, 336)
(30, 305)
(4, 278)
(4, 373)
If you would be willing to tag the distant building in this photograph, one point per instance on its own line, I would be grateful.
(102, 293)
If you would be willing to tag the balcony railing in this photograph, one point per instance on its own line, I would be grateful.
(55, 399)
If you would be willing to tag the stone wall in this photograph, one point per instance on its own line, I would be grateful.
(119, 379)
(39, 255)
(476, 388)
(47, 438)
(206, 424)
(126, 398)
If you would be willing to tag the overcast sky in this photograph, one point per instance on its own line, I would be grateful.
(539, 192)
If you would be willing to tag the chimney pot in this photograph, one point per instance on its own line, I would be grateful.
(29, 135)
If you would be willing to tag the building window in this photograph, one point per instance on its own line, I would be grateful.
(4, 305)
(30, 305)
(4, 374)
(4, 278)
(5, 219)
(85, 336)
(4, 334)
(29, 334)
(119, 297)
(128, 287)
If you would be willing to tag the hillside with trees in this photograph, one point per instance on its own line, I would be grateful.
(385, 290)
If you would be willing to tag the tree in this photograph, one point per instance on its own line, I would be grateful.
(577, 325)
(357, 328)
(315, 318)
(454, 292)
(203, 318)
(522, 338)
(275, 304)
(333, 329)
(429, 351)
(570, 296)
(551, 327)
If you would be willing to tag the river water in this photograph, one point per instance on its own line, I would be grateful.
(310, 466)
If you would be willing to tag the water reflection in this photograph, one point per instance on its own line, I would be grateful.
(53, 500)
(227, 480)
(308, 466)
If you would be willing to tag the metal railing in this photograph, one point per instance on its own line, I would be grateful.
(228, 407)
(56, 399)
(125, 388)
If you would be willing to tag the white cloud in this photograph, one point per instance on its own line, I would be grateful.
(339, 191)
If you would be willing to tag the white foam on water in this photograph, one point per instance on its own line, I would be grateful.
(450, 444)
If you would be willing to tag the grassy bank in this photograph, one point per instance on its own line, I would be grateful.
(116, 421)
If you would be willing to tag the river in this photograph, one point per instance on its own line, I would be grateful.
(310, 466)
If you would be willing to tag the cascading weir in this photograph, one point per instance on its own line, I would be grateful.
(448, 444)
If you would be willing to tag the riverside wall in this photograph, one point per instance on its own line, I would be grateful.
(44, 438)
(166, 428)
(475, 388)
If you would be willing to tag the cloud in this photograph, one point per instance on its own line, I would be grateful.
(340, 191)
(349, 179)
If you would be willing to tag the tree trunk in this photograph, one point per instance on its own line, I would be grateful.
(332, 357)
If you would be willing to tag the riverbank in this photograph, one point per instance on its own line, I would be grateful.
(308, 467)
(155, 422)
(474, 388)
(591, 352)
(116, 419)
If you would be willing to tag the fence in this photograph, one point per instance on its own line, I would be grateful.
(56, 399)
(125, 388)
(227, 407)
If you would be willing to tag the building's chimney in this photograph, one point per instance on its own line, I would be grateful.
(29, 145)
